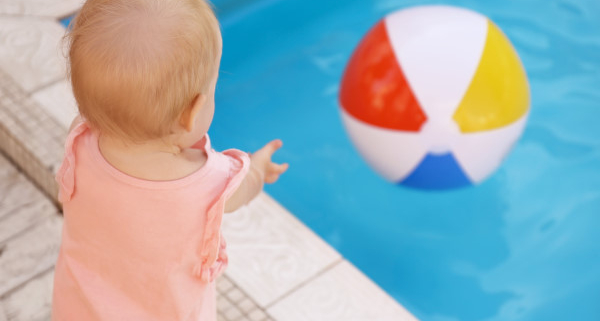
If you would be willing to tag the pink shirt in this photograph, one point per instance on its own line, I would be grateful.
(134, 249)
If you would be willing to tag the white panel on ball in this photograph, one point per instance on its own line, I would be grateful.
(439, 49)
(391, 153)
(481, 153)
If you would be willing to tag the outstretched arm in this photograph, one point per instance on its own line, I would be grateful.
(262, 170)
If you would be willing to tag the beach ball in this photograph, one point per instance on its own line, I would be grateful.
(434, 97)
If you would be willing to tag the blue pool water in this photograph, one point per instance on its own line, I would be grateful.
(524, 245)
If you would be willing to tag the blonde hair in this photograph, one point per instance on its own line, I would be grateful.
(136, 65)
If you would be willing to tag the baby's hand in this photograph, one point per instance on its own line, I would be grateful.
(261, 161)
(262, 170)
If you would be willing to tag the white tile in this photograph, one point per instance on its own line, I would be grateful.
(235, 295)
(271, 251)
(341, 293)
(223, 284)
(58, 101)
(31, 302)
(29, 254)
(246, 305)
(257, 315)
(21, 218)
(50, 8)
(223, 304)
(21, 204)
(233, 314)
(30, 51)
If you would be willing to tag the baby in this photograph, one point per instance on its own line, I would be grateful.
(142, 190)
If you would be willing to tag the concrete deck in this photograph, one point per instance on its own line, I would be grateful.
(279, 269)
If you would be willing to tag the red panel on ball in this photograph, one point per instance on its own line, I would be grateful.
(374, 88)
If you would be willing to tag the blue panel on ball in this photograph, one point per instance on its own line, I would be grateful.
(437, 172)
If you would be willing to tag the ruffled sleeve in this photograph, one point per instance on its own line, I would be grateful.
(213, 255)
(65, 177)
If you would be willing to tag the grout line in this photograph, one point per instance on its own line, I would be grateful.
(305, 282)
(246, 296)
(236, 305)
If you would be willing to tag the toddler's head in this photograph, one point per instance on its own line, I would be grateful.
(137, 66)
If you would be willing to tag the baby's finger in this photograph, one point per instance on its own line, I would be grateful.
(273, 146)
(271, 178)
(278, 168)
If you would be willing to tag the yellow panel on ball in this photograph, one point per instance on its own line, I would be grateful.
(499, 92)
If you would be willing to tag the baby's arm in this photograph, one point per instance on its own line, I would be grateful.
(262, 170)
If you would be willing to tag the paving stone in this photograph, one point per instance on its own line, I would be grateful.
(331, 297)
(223, 304)
(223, 284)
(29, 229)
(58, 101)
(246, 305)
(29, 136)
(271, 252)
(31, 302)
(30, 52)
(235, 295)
(16, 221)
(257, 315)
(231, 297)
(48, 8)
(29, 254)
(21, 204)
(233, 313)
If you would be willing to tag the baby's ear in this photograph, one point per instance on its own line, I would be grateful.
(188, 116)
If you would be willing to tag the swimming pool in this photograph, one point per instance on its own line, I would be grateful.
(524, 245)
